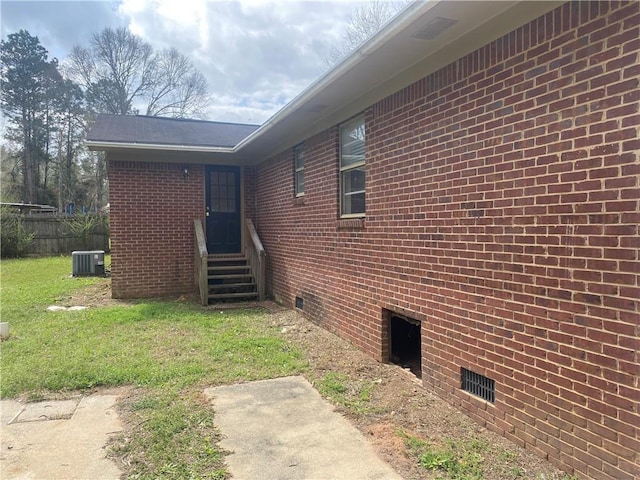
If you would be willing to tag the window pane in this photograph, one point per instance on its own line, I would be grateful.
(353, 191)
(353, 204)
(299, 154)
(214, 200)
(300, 182)
(299, 168)
(353, 180)
(352, 138)
(223, 192)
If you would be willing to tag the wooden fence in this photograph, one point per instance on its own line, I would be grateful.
(63, 234)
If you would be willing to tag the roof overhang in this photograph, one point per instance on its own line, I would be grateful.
(402, 53)
(420, 40)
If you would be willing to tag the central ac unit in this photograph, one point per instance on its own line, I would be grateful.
(88, 263)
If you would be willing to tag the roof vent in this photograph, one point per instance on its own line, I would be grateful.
(434, 27)
(315, 108)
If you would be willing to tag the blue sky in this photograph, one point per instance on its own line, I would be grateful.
(256, 55)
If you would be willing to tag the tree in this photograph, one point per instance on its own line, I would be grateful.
(70, 133)
(53, 86)
(26, 83)
(121, 73)
(115, 69)
(364, 22)
(178, 89)
(10, 175)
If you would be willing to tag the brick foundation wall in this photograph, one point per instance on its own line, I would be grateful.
(152, 236)
(502, 212)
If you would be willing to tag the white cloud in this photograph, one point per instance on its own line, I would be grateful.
(166, 20)
(58, 24)
(256, 55)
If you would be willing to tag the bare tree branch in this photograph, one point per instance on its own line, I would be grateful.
(364, 22)
(178, 88)
(120, 71)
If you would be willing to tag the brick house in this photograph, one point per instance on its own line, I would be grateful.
(492, 244)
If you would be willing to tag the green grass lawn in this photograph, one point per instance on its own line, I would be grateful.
(169, 349)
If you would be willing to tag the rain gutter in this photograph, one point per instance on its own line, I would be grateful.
(98, 145)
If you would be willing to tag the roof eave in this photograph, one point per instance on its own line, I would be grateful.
(350, 87)
(357, 83)
(395, 25)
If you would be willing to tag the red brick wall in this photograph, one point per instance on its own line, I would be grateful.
(503, 212)
(249, 190)
(152, 236)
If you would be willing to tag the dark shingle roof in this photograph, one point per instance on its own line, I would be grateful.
(140, 129)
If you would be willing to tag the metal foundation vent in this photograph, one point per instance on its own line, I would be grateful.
(300, 303)
(478, 385)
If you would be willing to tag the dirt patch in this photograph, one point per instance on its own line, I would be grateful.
(398, 409)
(384, 435)
(98, 294)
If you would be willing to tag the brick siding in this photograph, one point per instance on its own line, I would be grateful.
(502, 211)
(153, 207)
(152, 236)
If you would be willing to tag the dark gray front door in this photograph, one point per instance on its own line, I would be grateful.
(223, 209)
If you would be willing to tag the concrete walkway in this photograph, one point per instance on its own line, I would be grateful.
(62, 439)
(278, 429)
(283, 429)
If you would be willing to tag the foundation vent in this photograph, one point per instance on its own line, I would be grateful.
(478, 385)
(300, 303)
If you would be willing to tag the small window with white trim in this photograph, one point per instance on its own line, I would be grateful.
(298, 154)
(352, 168)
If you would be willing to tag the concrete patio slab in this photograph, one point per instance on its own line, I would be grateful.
(58, 439)
(283, 429)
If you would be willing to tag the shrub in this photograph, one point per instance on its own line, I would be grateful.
(84, 225)
(14, 239)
